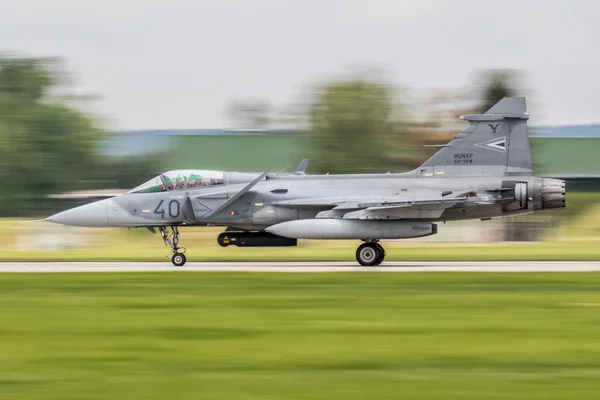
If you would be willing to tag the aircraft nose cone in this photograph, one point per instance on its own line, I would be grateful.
(91, 215)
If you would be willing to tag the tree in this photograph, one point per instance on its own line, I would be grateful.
(354, 124)
(495, 85)
(46, 145)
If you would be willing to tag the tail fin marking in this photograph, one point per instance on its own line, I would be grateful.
(494, 143)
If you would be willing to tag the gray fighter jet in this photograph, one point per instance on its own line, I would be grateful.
(483, 172)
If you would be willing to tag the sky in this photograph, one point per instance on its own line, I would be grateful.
(172, 64)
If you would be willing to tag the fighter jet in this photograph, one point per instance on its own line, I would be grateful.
(483, 172)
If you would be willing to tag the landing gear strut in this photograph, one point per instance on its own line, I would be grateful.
(172, 240)
(370, 253)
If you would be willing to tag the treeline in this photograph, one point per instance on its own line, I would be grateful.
(365, 123)
(48, 144)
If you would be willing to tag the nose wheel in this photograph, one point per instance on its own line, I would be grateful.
(370, 254)
(178, 259)
(172, 240)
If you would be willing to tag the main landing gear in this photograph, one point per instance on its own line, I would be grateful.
(370, 253)
(172, 240)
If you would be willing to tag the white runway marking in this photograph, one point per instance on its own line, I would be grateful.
(499, 266)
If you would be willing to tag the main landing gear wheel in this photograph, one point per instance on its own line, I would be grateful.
(370, 254)
(178, 259)
(172, 240)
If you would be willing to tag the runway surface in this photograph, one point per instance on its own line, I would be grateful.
(304, 267)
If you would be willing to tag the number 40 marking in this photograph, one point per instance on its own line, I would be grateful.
(174, 209)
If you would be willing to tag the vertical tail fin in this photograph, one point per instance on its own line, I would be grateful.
(494, 143)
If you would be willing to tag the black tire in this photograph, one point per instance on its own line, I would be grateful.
(367, 254)
(178, 259)
(381, 254)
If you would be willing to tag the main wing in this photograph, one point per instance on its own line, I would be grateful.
(372, 207)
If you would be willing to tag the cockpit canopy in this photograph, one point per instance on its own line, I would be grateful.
(181, 179)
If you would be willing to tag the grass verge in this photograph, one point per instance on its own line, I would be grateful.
(300, 336)
(338, 251)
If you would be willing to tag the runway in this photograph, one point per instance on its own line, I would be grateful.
(299, 267)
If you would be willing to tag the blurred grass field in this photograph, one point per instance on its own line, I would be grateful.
(530, 251)
(300, 336)
(140, 245)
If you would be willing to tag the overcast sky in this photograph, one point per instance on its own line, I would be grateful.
(177, 63)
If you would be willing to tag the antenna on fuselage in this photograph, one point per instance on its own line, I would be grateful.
(301, 170)
(282, 171)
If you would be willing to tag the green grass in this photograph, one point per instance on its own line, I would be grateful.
(300, 336)
(332, 251)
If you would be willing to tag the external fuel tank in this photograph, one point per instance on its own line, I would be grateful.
(353, 229)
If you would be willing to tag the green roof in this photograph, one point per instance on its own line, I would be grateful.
(565, 155)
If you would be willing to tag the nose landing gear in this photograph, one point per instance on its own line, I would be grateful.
(370, 253)
(172, 240)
